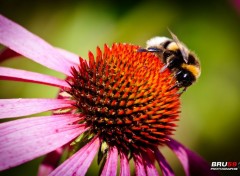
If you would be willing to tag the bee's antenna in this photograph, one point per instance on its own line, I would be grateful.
(150, 49)
(142, 50)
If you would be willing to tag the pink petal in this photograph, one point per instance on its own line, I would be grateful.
(7, 53)
(149, 160)
(50, 162)
(110, 167)
(9, 128)
(22, 107)
(79, 163)
(124, 169)
(165, 167)
(236, 5)
(31, 46)
(68, 55)
(27, 76)
(25, 139)
(139, 165)
(192, 163)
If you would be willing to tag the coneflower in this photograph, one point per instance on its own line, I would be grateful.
(117, 105)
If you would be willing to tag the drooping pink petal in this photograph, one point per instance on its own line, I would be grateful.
(192, 163)
(164, 166)
(79, 163)
(21, 107)
(26, 139)
(139, 165)
(34, 123)
(236, 5)
(124, 169)
(149, 160)
(31, 46)
(110, 167)
(27, 76)
(50, 162)
(7, 53)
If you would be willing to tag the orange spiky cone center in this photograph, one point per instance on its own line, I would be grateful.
(125, 98)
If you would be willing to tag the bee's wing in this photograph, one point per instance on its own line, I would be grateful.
(150, 49)
(181, 46)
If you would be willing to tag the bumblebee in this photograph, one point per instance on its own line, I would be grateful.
(183, 63)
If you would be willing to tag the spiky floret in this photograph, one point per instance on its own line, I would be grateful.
(125, 98)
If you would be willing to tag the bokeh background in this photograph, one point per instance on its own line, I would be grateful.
(210, 114)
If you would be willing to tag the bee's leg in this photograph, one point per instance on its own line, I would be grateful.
(180, 91)
(171, 88)
(183, 90)
(163, 68)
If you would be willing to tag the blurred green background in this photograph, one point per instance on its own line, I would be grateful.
(210, 114)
